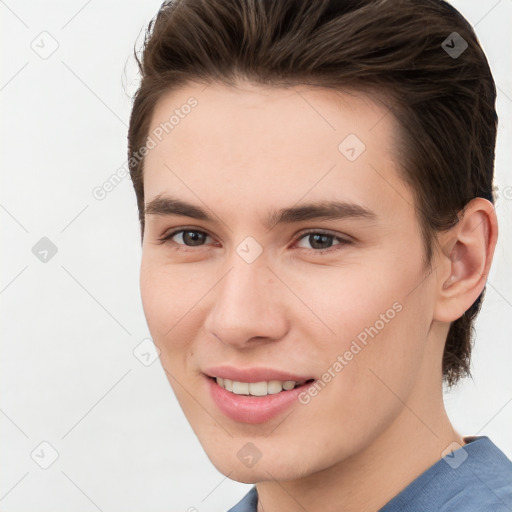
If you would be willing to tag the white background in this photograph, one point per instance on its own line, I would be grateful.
(70, 325)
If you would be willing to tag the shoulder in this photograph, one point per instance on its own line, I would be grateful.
(249, 503)
(475, 477)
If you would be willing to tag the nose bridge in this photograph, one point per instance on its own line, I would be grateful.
(247, 303)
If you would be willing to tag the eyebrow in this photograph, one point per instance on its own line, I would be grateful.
(326, 210)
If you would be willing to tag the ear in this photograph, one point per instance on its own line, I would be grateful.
(465, 259)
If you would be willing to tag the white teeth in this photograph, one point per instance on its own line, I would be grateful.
(240, 388)
(256, 388)
(275, 386)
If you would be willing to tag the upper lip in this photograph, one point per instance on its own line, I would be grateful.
(254, 374)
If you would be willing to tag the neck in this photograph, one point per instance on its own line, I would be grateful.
(372, 477)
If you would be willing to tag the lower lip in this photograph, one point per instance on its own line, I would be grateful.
(253, 409)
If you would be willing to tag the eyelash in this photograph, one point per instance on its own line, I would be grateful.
(185, 248)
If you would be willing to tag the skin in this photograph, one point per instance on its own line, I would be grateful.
(240, 153)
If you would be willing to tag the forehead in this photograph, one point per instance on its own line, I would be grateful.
(248, 145)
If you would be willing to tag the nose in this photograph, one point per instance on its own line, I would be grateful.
(248, 306)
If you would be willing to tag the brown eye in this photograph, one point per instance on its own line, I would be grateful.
(320, 241)
(186, 237)
(193, 238)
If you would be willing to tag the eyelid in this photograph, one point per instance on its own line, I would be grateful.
(320, 231)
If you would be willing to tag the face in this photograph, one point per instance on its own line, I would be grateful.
(282, 254)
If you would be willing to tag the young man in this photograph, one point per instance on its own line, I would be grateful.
(314, 183)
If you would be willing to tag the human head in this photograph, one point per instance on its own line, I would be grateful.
(445, 105)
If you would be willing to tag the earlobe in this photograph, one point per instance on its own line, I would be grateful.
(467, 259)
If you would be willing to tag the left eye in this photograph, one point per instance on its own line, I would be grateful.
(319, 240)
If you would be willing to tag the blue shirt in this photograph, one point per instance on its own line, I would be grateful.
(475, 478)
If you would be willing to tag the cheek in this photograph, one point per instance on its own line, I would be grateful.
(172, 300)
(164, 299)
(369, 370)
(381, 317)
(154, 296)
(358, 302)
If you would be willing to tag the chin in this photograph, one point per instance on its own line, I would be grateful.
(272, 467)
(258, 474)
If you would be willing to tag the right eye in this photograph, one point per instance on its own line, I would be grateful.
(185, 237)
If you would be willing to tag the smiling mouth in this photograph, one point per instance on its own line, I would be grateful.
(262, 388)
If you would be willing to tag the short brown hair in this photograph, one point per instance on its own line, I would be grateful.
(394, 49)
